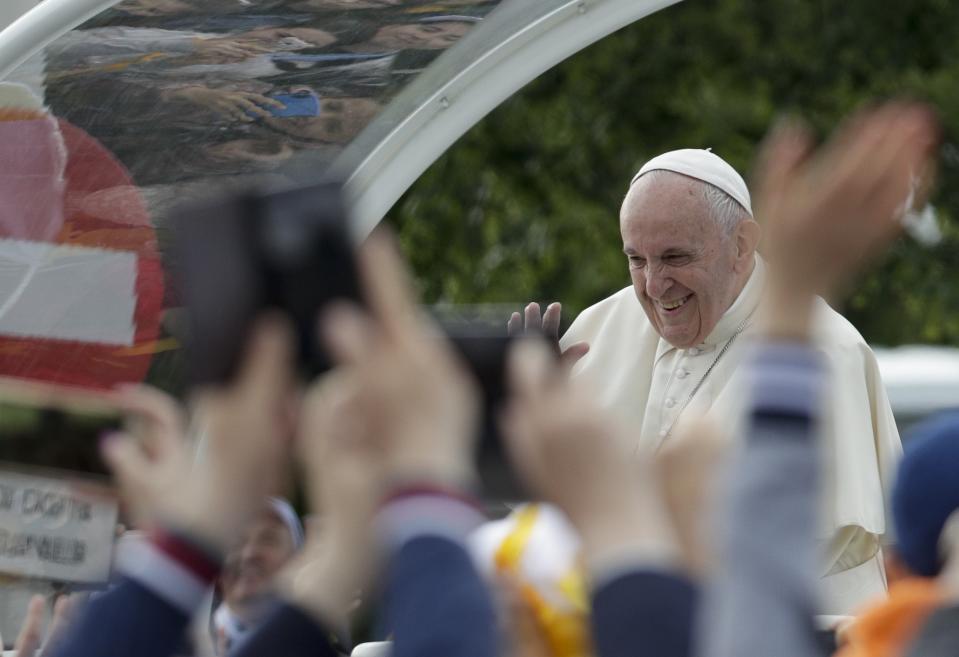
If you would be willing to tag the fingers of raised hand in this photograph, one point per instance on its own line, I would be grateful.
(126, 460)
(62, 616)
(334, 443)
(551, 320)
(329, 417)
(890, 146)
(62, 610)
(30, 637)
(902, 156)
(524, 421)
(784, 150)
(266, 373)
(514, 327)
(227, 108)
(260, 99)
(873, 158)
(533, 317)
(156, 418)
(245, 105)
(388, 288)
(349, 334)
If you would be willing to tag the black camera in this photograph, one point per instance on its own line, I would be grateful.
(289, 251)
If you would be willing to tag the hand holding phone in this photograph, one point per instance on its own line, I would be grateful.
(300, 103)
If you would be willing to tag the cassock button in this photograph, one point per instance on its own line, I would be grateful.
(663, 433)
(670, 402)
(681, 373)
(693, 351)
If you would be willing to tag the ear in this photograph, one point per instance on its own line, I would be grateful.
(747, 238)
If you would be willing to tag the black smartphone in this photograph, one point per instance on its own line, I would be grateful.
(289, 251)
(45, 427)
(487, 355)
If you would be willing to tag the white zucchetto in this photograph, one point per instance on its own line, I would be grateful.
(701, 165)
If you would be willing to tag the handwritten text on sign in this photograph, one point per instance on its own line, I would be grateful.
(52, 531)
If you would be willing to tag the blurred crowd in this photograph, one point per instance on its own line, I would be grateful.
(156, 103)
(710, 544)
(180, 90)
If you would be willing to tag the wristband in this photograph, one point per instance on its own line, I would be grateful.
(415, 511)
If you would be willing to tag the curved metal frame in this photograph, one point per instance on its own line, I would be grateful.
(401, 153)
(11, 10)
(402, 156)
(30, 34)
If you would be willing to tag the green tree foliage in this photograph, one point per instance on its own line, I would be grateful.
(525, 206)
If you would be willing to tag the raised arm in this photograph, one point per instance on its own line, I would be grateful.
(827, 213)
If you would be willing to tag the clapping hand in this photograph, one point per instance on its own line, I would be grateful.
(828, 211)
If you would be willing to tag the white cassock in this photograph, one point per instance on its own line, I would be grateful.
(648, 383)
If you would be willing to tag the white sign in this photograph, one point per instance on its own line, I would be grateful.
(51, 530)
(61, 292)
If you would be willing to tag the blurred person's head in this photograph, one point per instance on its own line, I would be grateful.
(267, 545)
(429, 33)
(690, 240)
(924, 498)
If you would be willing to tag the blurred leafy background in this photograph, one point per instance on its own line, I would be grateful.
(525, 206)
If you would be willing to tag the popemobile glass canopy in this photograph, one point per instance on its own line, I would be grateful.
(111, 116)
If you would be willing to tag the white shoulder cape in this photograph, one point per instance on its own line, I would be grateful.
(860, 434)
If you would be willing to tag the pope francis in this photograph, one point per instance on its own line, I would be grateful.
(668, 347)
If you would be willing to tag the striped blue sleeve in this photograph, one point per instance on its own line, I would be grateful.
(786, 382)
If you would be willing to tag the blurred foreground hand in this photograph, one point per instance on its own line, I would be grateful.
(570, 452)
(399, 409)
(210, 499)
(829, 211)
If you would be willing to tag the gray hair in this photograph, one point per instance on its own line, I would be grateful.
(725, 210)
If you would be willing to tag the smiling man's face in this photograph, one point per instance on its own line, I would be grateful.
(686, 271)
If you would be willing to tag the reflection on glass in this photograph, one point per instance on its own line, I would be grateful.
(157, 101)
(238, 87)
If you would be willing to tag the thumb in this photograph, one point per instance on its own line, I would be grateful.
(573, 354)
